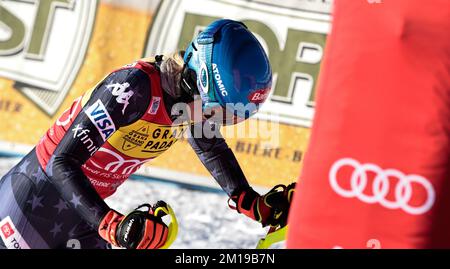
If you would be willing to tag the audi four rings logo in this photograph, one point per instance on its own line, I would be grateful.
(406, 186)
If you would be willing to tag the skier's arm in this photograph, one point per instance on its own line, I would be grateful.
(269, 209)
(64, 167)
(217, 157)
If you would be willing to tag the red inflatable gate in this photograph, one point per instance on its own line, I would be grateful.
(377, 171)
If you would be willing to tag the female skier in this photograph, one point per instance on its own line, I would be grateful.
(55, 195)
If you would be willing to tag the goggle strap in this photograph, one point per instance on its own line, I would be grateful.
(206, 57)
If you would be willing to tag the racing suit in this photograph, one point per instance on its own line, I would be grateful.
(54, 198)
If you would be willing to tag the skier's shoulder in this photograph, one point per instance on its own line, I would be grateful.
(146, 65)
(125, 93)
(134, 78)
(140, 70)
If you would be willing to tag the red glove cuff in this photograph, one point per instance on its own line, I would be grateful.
(108, 226)
(251, 204)
(155, 236)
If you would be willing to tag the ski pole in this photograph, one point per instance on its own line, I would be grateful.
(273, 236)
(162, 209)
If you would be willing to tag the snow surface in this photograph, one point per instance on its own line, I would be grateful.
(205, 221)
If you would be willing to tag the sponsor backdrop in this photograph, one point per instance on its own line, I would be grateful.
(52, 51)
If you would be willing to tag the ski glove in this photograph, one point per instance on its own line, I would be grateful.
(269, 209)
(137, 230)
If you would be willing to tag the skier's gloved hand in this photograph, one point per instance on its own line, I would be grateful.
(269, 209)
(137, 230)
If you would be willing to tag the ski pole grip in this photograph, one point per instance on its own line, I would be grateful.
(161, 209)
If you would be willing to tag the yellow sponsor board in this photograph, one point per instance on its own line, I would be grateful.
(46, 64)
(112, 43)
(263, 163)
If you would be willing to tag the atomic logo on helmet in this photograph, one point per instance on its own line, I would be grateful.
(219, 81)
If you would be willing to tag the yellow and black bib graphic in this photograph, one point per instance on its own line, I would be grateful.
(145, 140)
(135, 138)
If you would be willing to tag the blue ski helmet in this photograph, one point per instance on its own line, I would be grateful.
(231, 68)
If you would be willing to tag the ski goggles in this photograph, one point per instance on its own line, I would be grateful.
(211, 108)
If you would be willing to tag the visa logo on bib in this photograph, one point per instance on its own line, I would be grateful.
(100, 117)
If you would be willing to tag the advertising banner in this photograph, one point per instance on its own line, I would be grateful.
(52, 51)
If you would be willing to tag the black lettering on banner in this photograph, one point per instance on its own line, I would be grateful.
(10, 106)
(240, 147)
(270, 152)
(149, 144)
(246, 147)
(298, 155)
(17, 108)
(266, 151)
(155, 146)
(166, 132)
(255, 149)
(170, 144)
(277, 153)
(156, 133)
